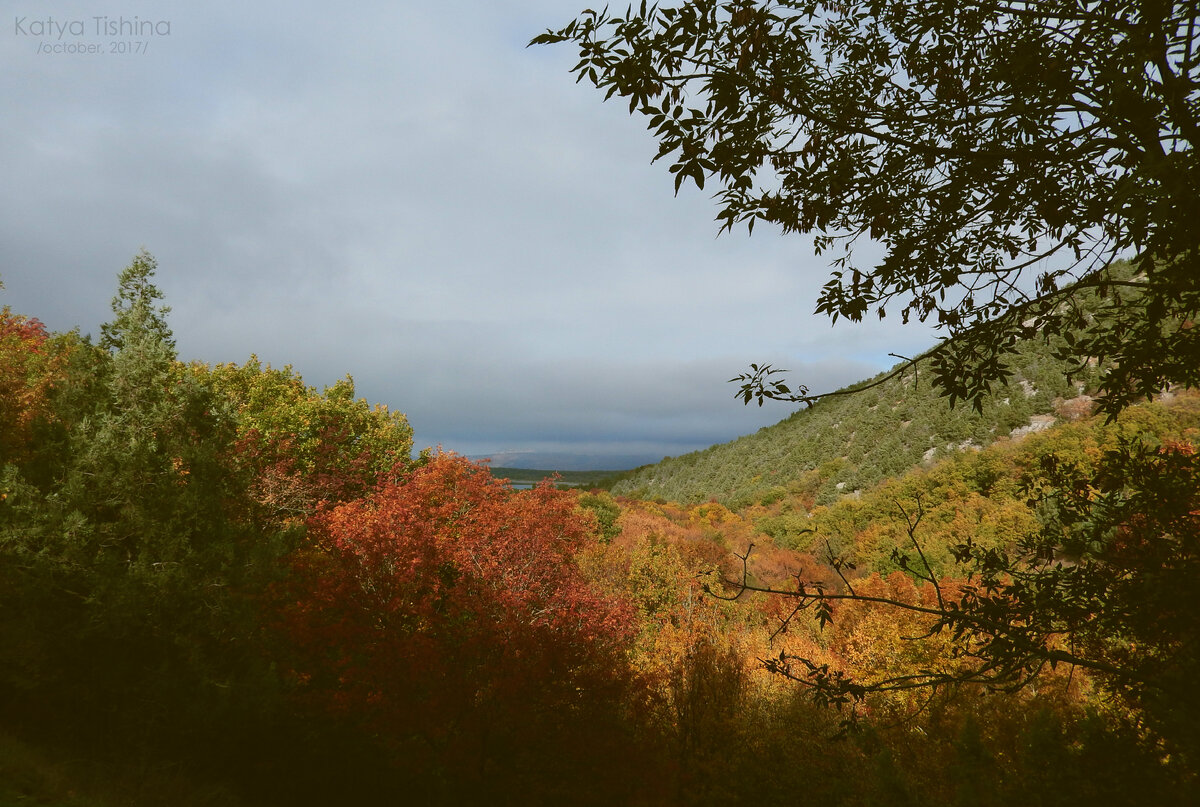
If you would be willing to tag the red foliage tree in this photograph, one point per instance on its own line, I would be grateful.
(25, 380)
(445, 611)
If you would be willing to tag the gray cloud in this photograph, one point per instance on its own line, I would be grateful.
(407, 194)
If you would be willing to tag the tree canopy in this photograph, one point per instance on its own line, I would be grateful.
(1002, 153)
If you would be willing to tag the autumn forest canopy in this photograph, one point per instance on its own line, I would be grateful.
(224, 567)
(973, 579)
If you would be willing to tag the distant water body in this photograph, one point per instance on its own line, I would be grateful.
(527, 485)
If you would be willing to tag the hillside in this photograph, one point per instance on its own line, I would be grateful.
(848, 443)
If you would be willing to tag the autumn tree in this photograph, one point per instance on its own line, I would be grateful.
(1001, 153)
(302, 447)
(445, 611)
(27, 361)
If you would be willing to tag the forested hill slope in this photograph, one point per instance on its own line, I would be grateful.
(848, 443)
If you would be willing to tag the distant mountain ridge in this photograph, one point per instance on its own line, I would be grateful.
(567, 461)
(522, 476)
(848, 443)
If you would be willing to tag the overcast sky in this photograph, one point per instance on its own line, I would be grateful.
(402, 192)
